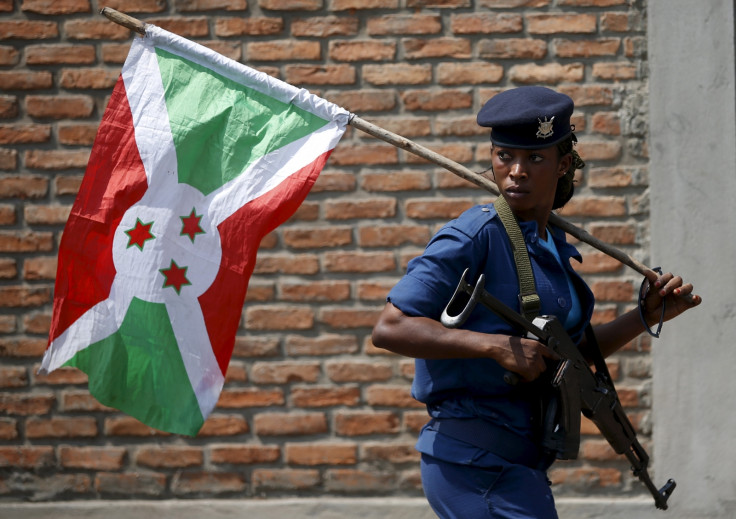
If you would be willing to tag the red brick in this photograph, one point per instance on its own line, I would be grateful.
(24, 296)
(353, 480)
(60, 107)
(250, 397)
(161, 457)
(284, 372)
(404, 24)
(358, 371)
(619, 291)
(327, 344)
(360, 208)
(23, 133)
(92, 458)
(396, 181)
(285, 479)
(61, 427)
(23, 347)
(550, 73)
(61, 377)
(312, 454)
(397, 74)
(291, 5)
(8, 107)
(595, 206)
(251, 26)
(137, 6)
(597, 262)
(512, 48)
(290, 424)
(24, 186)
(89, 29)
(320, 74)
(419, 48)
(244, 454)
(55, 7)
(188, 27)
(392, 452)
(8, 270)
(393, 235)
(325, 396)
(623, 234)
(359, 262)
(585, 478)
(348, 154)
(46, 215)
(367, 100)
(361, 423)
(279, 317)
(130, 484)
(587, 48)
(592, 3)
(27, 457)
(350, 5)
(287, 264)
(391, 396)
(12, 376)
(77, 134)
(8, 55)
(362, 50)
(25, 80)
(81, 401)
(431, 100)
(334, 181)
(283, 50)
(28, 30)
(444, 208)
(486, 23)
(220, 425)
(615, 71)
(317, 237)
(8, 430)
(615, 22)
(325, 26)
(555, 23)
(325, 291)
(67, 184)
(185, 483)
(447, 4)
(210, 5)
(88, 78)
(20, 404)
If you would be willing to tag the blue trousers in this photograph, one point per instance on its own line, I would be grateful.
(506, 491)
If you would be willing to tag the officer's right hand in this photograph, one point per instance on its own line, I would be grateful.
(526, 357)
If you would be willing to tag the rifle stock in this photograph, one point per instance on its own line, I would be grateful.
(576, 388)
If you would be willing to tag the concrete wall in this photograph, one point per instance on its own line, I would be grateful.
(693, 183)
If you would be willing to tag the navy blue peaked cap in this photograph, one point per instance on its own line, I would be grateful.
(527, 117)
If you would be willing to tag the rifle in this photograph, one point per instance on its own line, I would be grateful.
(575, 387)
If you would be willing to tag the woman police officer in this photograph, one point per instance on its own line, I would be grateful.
(459, 373)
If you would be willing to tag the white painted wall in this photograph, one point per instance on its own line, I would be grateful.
(693, 219)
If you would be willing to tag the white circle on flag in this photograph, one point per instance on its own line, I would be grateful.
(166, 246)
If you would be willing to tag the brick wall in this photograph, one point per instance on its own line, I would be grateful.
(310, 407)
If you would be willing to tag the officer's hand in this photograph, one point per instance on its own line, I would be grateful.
(527, 357)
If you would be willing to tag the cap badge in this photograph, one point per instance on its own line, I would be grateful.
(545, 127)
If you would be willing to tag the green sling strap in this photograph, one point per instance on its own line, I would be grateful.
(528, 297)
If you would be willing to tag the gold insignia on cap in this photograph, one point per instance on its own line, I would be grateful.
(545, 127)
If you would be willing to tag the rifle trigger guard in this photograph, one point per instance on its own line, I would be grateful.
(455, 321)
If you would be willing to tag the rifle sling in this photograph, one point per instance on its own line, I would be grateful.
(528, 297)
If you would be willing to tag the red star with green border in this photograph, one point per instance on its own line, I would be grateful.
(176, 276)
(139, 234)
(190, 225)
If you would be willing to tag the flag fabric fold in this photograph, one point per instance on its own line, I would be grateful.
(196, 159)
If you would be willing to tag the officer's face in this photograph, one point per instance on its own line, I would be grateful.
(528, 178)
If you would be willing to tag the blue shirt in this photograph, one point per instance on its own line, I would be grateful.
(465, 388)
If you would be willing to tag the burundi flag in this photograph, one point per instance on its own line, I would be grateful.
(197, 158)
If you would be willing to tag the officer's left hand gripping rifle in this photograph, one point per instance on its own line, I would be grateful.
(574, 385)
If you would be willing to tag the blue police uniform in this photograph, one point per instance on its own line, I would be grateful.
(508, 476)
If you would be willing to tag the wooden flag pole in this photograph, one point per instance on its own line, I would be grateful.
(405, 144)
